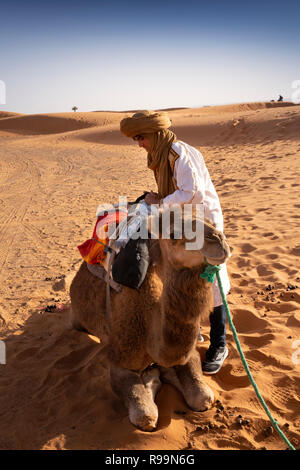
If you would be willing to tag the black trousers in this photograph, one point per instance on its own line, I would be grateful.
(218, 327)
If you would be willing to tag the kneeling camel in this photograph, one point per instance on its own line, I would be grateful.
(154, 329)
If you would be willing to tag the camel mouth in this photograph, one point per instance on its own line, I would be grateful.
(219, 260)
(216, 261)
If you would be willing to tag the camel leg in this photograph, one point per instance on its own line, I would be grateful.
(188, 379)
(138, 392)
(76, 323)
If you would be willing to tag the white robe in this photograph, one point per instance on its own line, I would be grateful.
(192, 179)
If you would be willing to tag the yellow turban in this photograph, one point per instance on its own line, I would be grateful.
(145, 122)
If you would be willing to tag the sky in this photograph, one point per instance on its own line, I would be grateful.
(124, 55)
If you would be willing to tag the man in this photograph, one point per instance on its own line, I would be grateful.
(182, 178)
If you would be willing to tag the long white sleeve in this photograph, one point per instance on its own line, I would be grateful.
(194, 184)
(187, 181)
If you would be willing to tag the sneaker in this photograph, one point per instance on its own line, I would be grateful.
(214, 359)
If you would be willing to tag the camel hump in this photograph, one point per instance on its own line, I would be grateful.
(172, 158)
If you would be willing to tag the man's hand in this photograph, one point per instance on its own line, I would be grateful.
(152, 198)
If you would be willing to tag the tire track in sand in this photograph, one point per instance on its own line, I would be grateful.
(26, 179)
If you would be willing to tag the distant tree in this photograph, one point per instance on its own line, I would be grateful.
(280, 98)
(74, 108)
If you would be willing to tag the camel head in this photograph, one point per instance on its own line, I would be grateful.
(186, 239)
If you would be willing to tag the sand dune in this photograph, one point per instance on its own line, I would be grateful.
(57, 123)
(55, 170)
(232, 108)
(4, 114)
(214, 128)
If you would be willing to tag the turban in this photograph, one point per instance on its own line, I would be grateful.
(144, 122)
(155, 126)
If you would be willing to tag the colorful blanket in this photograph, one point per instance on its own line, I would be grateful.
(94, 250)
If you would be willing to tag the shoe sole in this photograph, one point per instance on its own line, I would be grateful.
(217, 370)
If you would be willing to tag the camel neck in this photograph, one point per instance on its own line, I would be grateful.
(185, 297)
(184, 292)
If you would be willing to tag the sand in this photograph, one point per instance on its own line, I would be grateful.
(55, 170)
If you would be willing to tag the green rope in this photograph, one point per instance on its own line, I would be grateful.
(209, 274)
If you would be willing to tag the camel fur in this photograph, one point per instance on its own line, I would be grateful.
(154, 329)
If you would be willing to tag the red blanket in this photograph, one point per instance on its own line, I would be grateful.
(94, 250)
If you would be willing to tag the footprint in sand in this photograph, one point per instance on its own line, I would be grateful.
(259, 357)
(293, 320)
(284, 268)
(263, 271)
(243, 263)
(274, 157)
(284, 393)
(222, 443)
(231, 378)
(227, 180)
(296, 251)
(232, 226)
(244, 282)
(239, 371)
(260, 341)
(247, 322)
(272, 256)
(262, 209)
(283, 307)
(267, 178)
(235, 275)
(247, 248)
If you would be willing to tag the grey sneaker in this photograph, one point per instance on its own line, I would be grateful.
(214, 359)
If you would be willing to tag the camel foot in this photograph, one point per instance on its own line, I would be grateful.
(138, 392)
(188, 379)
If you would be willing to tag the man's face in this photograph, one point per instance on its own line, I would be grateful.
(143, 142)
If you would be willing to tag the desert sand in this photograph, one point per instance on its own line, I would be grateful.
(54, 171)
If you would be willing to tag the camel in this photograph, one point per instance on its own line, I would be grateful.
(154, 329)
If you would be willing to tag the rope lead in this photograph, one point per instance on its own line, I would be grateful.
(209, 274)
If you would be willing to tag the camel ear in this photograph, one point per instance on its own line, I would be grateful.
(215, 247)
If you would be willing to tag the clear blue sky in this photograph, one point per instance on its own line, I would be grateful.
(122, 55)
